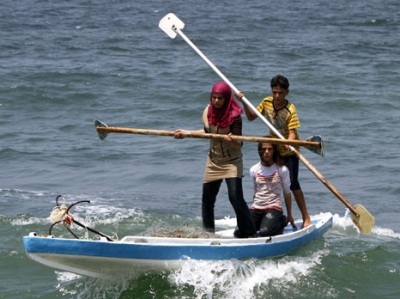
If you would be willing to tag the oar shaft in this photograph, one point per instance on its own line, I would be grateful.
(326, 183)
(308, 144)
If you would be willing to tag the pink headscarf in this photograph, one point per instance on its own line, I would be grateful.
(224, 116)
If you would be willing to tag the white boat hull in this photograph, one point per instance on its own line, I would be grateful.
(134, 255)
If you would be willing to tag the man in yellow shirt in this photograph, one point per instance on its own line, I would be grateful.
(283, 116)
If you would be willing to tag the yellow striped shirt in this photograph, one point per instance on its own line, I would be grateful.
(283, 120)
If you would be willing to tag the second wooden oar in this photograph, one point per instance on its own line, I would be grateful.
(103, 130)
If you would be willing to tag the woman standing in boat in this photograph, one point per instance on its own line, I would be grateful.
(224, 159)
(269, 178)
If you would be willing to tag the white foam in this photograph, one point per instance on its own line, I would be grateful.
(226, 222)
(386, 232)
(30, 221)
(239, 279)
(345, 222)
(66, 276)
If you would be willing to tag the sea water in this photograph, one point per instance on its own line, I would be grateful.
(65, 63)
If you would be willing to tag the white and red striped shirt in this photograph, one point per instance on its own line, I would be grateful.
(268, 184)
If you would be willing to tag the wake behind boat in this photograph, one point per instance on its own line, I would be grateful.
(106, 257)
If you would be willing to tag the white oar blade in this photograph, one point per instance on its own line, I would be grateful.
(170, 24)
(365, 222)
(98, 123)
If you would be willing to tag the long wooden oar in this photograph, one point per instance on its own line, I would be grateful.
(172, 26)
(103, 130)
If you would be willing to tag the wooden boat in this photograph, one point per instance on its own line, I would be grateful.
(135, 255)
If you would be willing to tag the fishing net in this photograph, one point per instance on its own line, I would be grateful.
(184, 231)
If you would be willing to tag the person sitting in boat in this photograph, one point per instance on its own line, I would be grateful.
(269, 178)
(224, 159)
